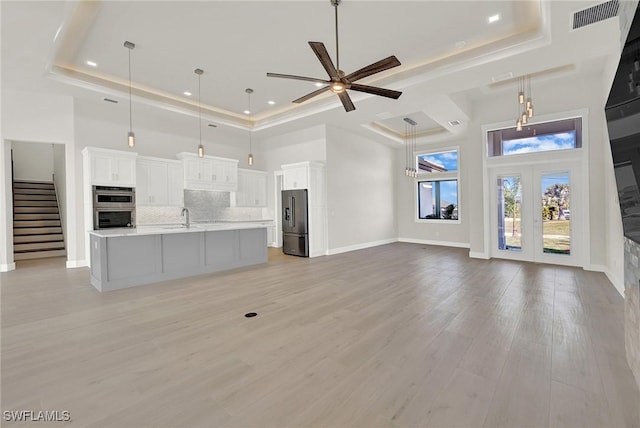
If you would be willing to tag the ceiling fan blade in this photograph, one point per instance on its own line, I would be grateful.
(376, 67)
(389, 93)
(290, 76)
(311, 95)
(346, 101)
(325, 59)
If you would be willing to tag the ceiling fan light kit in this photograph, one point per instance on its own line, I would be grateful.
(338, 82)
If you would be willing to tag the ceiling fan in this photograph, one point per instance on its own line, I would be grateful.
(339, 82)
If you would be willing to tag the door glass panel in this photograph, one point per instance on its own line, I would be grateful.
(509, 213)
(556, 213)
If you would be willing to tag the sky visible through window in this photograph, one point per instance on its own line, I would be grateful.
(541, 143)
(449, 192)
(447, 160)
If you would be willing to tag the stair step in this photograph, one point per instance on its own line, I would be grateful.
(19, 203)
(25, 191)
(34, 197)
(37, 246)
(25, 183)
(39, 254)
(35, 210)
(52, 216)
(36, 230)
(21, 239)
(36, 223)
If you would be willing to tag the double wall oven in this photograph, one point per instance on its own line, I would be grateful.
(113, 207)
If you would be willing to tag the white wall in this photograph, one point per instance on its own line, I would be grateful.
(438, 232)
(361, 182)
(32, 161)
(60, 181)
(299, 146)
(41, 118)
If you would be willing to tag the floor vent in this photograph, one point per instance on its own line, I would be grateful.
(596, 13)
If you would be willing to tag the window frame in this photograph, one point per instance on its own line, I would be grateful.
(436, 176)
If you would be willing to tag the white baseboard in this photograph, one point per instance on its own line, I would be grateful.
(478, 255)
(432, 242)
(8, 267)
(362, 246)
(76, 264)
(618, 283)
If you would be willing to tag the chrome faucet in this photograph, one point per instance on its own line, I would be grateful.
(185, 213)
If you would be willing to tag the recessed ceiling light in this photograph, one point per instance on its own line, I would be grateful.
(247, 112)
(187, 93)
(318, 84)
(494, 18)
(91, 63)
(271, 102)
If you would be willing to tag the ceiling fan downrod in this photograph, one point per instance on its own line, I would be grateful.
(335, 4)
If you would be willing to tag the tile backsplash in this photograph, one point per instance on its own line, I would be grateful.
(204, 206)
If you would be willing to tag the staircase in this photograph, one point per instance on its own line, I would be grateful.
(37, 232)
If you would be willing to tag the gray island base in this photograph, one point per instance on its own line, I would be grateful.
(126, 258)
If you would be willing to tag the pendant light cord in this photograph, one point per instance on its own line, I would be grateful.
(199, 109)
(250, 112)
(130, 120)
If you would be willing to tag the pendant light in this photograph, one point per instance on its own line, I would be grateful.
(524, 102)
(410, 147)
(199, 72)
(131, 137)
(249, 91)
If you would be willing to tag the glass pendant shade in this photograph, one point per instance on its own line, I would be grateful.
(524, 118)
(519, 125)
(250, 159)
(200, 151)
(530, 111)
(521, 98)
(132, 139)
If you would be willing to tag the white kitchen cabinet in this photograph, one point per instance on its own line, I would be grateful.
(295, 176)
(209, 172)
(311, 176)
(160, 182)
(252, 188)
(110, 167)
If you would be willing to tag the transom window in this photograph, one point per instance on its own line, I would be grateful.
(540, 137)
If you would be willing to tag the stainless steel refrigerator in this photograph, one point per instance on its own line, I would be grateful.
(295, 223)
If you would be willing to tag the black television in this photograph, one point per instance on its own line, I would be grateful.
(623, 122)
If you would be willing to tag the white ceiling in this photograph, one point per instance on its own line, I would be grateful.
(238, 42)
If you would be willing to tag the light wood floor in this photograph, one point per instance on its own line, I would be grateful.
(401, 335)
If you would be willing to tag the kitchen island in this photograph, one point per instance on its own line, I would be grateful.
(122, 258)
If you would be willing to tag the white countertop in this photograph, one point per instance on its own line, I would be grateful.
(162, 230)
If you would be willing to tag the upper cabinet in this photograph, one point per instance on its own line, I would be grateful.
(160, 182)
(252, 188)
(110, 167)
(209, 173)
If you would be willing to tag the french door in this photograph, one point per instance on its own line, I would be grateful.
(536, 213)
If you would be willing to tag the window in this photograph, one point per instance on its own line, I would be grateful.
(437, 196)
(541, 137)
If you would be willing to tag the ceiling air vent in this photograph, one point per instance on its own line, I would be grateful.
(596, 13)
